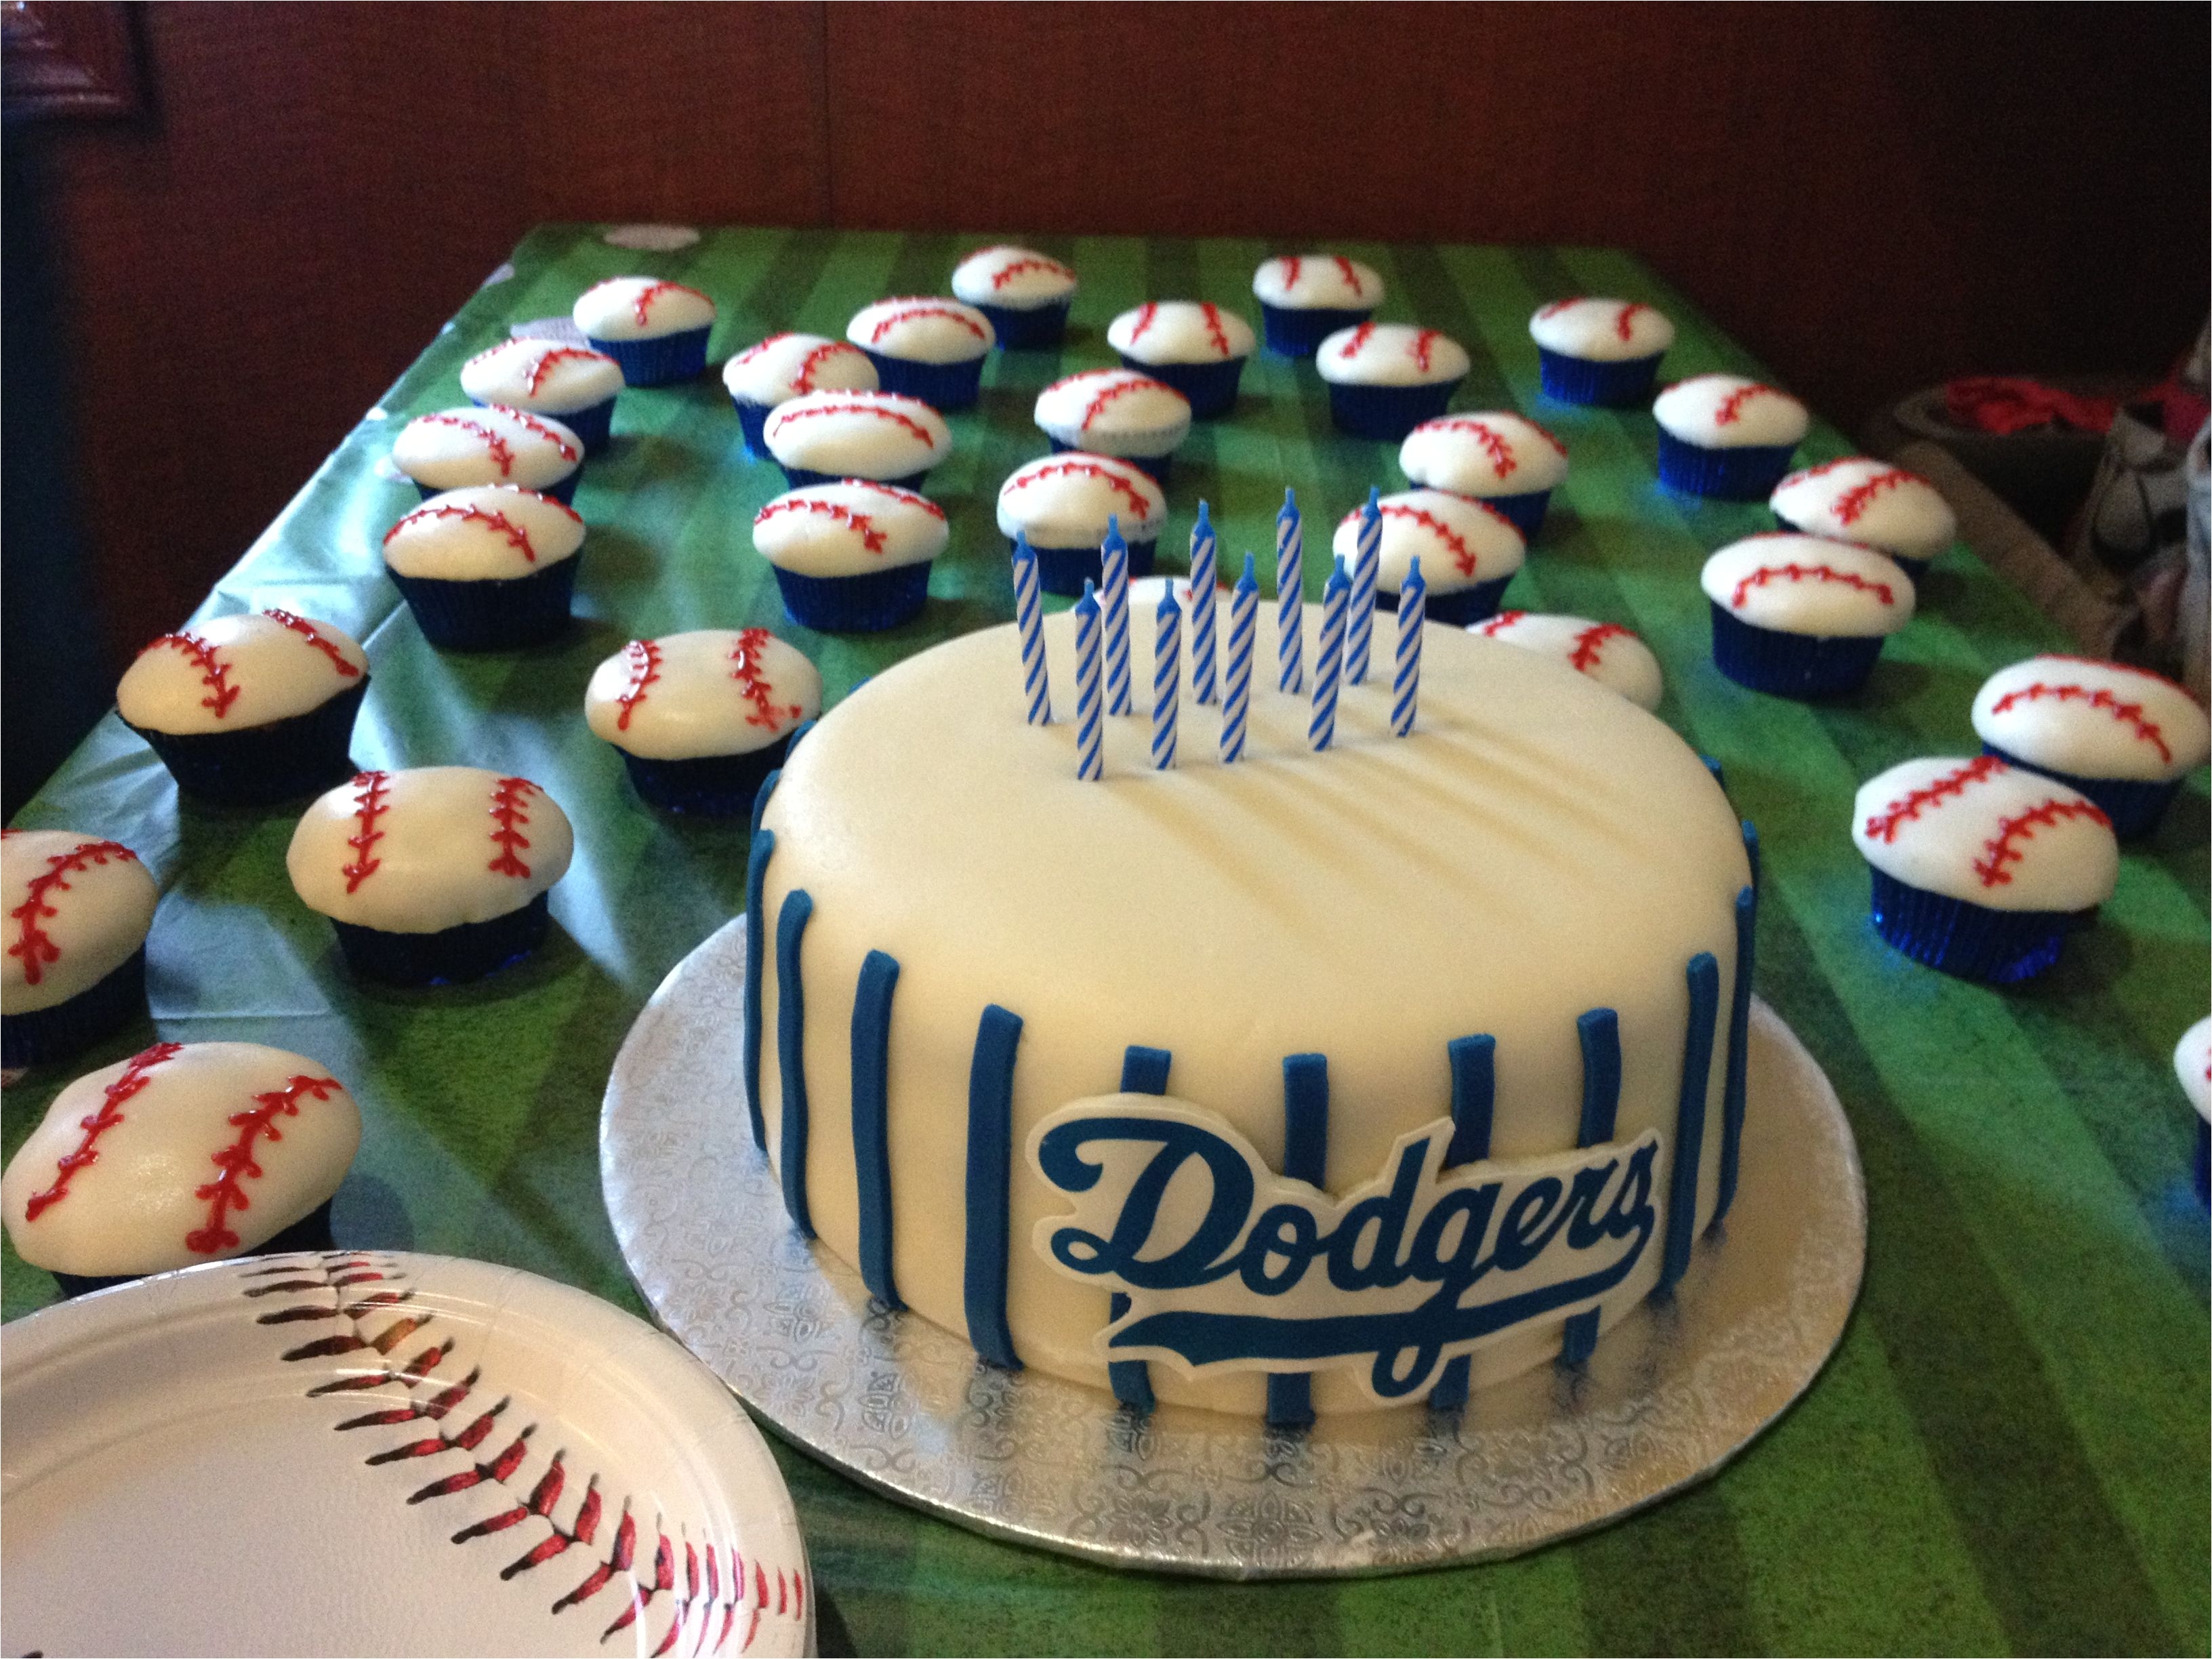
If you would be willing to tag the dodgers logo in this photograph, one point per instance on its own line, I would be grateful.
(1230, 1266)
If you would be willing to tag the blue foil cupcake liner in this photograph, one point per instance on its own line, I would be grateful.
(1210, 387)
(256, 765)
(1913, 569)
(593, 424)
(1747, 473)
(1387, 412)
(661, 360)
(499, 615)
(1623, 383)
(1298, 331)
(1030, 328)
(2133, 804)
(1155, 467)
(753, 421)
(1525, 510)
(799, 477)
(712, 785)
(1968, 939)
(1064, 570)
(1801, 666)
(45, 1036)
(563, 492)
(941, 385)
(452, 956)
(1458, 608)
(865, 604)
(312, 1232)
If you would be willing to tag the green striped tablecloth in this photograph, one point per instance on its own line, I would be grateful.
(2010, 1451)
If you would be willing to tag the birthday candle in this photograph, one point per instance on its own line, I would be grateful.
(1167, 678)
(1237, 670)
(1289, 595)
(1201, 607)
(1029, 616)
(1406, 680)
(1113, 606)
(1366, 566)
(1090, 728)
(1328, 665)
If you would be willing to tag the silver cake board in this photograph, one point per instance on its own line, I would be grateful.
(1673, 1391)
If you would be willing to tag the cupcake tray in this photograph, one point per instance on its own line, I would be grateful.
(905, 1408)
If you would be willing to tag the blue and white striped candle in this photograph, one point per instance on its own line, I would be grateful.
(1236, 669)
(1201, 607)
(1113, 606)
(1289, 595)
(1405, 677)
(1366, 567)
(1328, 663)
(1029, 617)
(1090, 724)
(1167, 678)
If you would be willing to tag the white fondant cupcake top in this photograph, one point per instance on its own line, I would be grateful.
(487, 445)
(1859, 499)
(1726, 411)
(1809, 584)
(2192, 1064)
(491, 532)
(1601, 331)
(1988, 833)
(1064, 500)
(849, 529)
(712, 691)
(641, 308)
(1459, 541)
(423, 850)
(77, 907)
(1391, 354)
(186, 1152)
(922, 329)
(234, 671)
(543, 377)
(1317, 282)
(1490, 453)
(1181, 331)
(1607, 652)
(786, 366)
(1115, 411)
(2092, 719)
(1019, 278)
(858, 435)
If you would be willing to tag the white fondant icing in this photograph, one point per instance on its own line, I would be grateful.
(1490, 453)
(1064, 500)
(1317, 282)
(1114, 411)
(641, 308)
(1459, 541)
(1861, 500)
(487, 444)
(1391, 354)
(491, 532)
(1601, 331)
(1726, 411)
(429, 847)
(1605, 652)
(543, 377)
(1181, 331)
(922, 329)
(849, 529)
(1989, 833)
(1019, 278)
(93, 904)
(1809, 584)
(858, 435)
(2192, 1064)
(231, 673)
(786, 366)
(2093, 719)
(712, 691)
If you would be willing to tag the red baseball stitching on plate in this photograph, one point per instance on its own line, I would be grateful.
(745, 670)
(906, 497)
(643, 657)
(1352, 347)
(1030, 262)
(227, 1192)
(498, 523)
(803, 380)
(1813, 573)
(96, 1124)
(2000, 849)
(1118, 481)
(1854, 502)
(642, 306)
(213, 671)
(34, 947)
(369, 806)
(2129, 714)
(1499, 623)
(1351, 275)
(915, 309)
(1731, 407)
(1884, 825)
(860, 524)
(510, 798)
(496, 448)
(787, 415)
(306, 630)
(1589, 644)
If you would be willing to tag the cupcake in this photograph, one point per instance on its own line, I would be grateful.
(851, 557)
(929, 349)
(2192, 1064)
(1025, 295)
(1605, 652)
(1117, 412)
(1980, 869)
(701, 717)
(1801, 615)
(1725, 436)
(1468, 552)
(1385, 379)
(186, 1153)
(459, 448)
(1503, 459)
(822, 437)
(1063, 504)
(1306, 297)
(569, 384)
(1600, 351)
(786, 366)
(77, 911)
(1193, 346)
(1872, 503)
(491, 569)
(250, 708)
(432, 875)
(657, 331)
(2124, 737)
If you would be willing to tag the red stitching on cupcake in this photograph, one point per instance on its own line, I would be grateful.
(498, 523)
(1589, 644)
(1352, 347)
(34, 946)
(1884, 825)
(369, 806)
(1624, 324)
(1145, 313)
(2116, 667)
(745, 670)
(536, 377)
(509, 799)
(917, 308)
(1492, 442)
(1462, 555)
(1030, 262)
(1351, 275)
(227, 1192)
(643, 657)
(1731, 407)
(496, 448)
(213, 671)
(2000, 850)
(860, 524)
(1854, 502)
(759, 346)
(307, 631)
(1119, 482)
(96, 1124)
(1813, 573)
(1423, 341)
(1120, 388)
(537, 427)
(906, 497)
(1215, 331)
(803, 380)
(642, 306)
(1499, 623)
(1559, 306)
(787, 415)
(2129, 714)
(1292, 265)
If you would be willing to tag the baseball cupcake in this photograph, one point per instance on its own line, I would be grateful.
(78, 909)
(1064, 505)
(249, 708)
(1872, 503)
(1725, 436)
(851, 557)
(2124, 737)
(1118, 412)
(1604, 652)
(786, 366)
(569, 384)
(822, 437)
(1385, 379)
(486, 570)
(929, 349)
(699, 718)
(1025, 295)
(1468, 552)
(1600, 351)
(1193, 346)
(1503, 459)
(1801, 615)
(656, 329)
(2192, 1064)
(1306, 297)
(457, 448)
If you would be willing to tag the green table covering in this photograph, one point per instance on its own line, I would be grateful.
(2010, 1450)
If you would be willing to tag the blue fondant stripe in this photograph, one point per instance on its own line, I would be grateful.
(1704, 982)
(790, 1048)
(990, 1159)
(797, 733)
(1144, 1072)
(1739, 1051)
(1474, 1084)
(1600, 1031)
(1713, 766)
(1305, 1157)
(871, 1152)
(756, 963)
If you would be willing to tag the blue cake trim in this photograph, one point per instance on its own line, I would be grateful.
(763, 848)
(872, 1159)
(1473, 1061)
(1705, 980)
(791, 1054)
(1305, 1157)
(1599, 1032)
(990, 1156)
(1144, 1072)
(1739, 1041)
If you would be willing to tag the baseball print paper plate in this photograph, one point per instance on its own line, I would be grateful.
(373, 1452)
